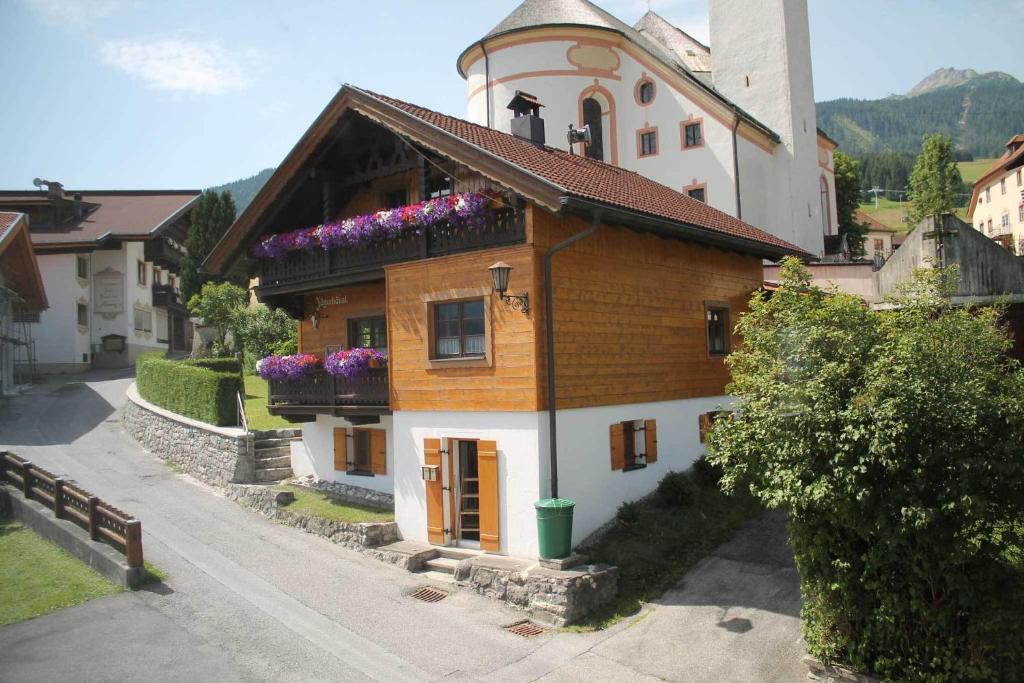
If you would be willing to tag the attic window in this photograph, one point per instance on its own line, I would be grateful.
(644, 92)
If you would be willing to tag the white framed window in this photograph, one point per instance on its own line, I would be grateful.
(82, 267)
(143, 320)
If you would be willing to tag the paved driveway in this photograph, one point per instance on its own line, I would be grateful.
(247, 599)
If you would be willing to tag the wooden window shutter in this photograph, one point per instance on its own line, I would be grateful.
(618, 443)
(487, 466)
(705, 425)
(435, 496)
(651, 441)
(379, 451)
(340, 450)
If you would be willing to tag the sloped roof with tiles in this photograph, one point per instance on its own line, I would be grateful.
(548, 176)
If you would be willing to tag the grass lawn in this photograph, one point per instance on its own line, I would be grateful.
(256, 406)
(317, 504)
(891, 213)
(655, 551)
(37, 577)
(970, 171)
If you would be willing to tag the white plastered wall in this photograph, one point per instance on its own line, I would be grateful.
(314, 453)
(517, 438)
(60, 342)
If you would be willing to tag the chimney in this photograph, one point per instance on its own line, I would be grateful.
(526, 121)
(77, 206)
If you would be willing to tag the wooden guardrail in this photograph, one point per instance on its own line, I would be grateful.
(103, 521)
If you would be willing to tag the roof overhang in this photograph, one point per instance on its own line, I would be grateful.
(16, 250)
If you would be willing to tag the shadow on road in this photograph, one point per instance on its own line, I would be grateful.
(77, 407)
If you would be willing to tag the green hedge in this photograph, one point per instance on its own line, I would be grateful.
(216, 364)
(188, 388)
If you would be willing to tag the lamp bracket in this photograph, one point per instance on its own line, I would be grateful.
(517, 302)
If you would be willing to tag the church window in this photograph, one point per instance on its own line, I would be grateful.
(826, 208)
(592, 118)
(647, 142)
(644, 92)
(693, 134)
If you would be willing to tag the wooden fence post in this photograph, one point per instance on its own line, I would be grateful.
(94, 522)
(58, 498)
(133, 542)
(26, 479)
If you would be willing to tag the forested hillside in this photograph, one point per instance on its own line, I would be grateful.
(980, 111)
(245, 189)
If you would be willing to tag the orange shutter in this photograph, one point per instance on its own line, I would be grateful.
(618, 443)
(340, 450)
(379, 451)
(435, 506)
(487, 466)
(651, 440)
(705, 425)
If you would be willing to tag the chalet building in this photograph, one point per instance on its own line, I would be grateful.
(732, 124)
(22, 296)
(997, 201)
(108, 261)
(538, 323)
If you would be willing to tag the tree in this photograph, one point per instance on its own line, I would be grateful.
(260, 331)
(212, 216)
(847, 172)
(935, 180)
(219, 305)
(893, 440)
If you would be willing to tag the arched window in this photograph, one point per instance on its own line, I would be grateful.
(826, 210)
(592, 118)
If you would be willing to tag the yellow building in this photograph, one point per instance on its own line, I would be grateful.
(997, 203)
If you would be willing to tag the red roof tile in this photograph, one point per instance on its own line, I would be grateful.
(590, 179)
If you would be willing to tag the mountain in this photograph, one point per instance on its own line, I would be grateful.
(980, 111)
(245, 189)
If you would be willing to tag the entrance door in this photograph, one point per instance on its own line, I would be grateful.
(462, 501)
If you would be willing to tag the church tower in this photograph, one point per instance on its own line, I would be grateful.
(761, 61)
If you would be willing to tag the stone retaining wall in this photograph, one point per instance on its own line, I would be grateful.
(834, 673)
(556, 597)
(216, 455)
(347, 493)
(272, 503)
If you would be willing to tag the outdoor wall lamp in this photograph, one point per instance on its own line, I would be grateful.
(315, 318)
(500, 273)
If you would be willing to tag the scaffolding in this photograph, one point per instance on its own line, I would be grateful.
(17, 346)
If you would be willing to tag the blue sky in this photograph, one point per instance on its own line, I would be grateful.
(106, 94)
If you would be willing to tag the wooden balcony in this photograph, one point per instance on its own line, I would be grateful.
(319, 269)
(323, 394)
(164, 296)
(162, 253)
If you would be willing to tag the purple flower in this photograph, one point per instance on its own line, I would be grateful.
(353, 363)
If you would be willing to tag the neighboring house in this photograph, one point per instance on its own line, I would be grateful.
(644, 307)
(22, 296)
(880, 241)
(997, 202)
(733, 125)
(108, 260)
(988, 273)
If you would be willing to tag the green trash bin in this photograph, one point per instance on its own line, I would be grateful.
(554, 527)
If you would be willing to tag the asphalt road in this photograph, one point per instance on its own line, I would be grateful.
(250, 600)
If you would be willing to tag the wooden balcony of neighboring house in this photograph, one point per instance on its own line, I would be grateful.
(321, 393)
(163, 253)
(165, 296)
(318, 269)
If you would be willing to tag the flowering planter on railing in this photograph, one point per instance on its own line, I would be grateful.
(287, 368)
(465, 210)
(354, 363)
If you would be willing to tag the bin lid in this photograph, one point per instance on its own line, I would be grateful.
(547, 503)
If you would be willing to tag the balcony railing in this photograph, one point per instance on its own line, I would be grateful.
(504, 228)
(324, 393)
(164, 296)
(162, 253)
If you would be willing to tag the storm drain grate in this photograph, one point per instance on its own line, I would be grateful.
(526, 629)
(428, 594)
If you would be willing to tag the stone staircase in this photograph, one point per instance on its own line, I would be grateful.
(441, 567)
(272, 450)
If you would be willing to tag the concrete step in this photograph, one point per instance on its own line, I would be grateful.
(445, 565)
(436, 576)
(277, 434)
(273, 474)
(271, 452)
(273, 443)
(458, 554)
(278, 462)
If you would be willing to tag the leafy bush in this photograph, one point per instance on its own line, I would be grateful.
(629, 512)
(189, 389)
(219, 305)
(675, 490)
(260, 330)
(893, 438)
(707, 473)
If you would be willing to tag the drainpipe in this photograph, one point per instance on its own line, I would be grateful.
(549, 325)
(487, 82)
(736, 167)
